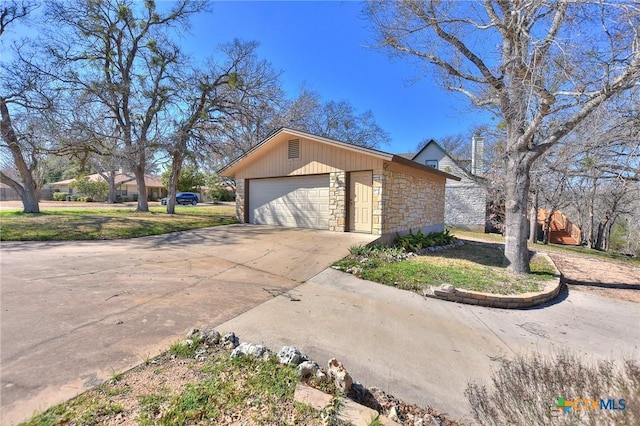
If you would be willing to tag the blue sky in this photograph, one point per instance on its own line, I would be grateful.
(326, 47)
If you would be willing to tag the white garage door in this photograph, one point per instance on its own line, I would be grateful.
(301, 202)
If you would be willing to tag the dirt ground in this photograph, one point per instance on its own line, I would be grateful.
(607, 278)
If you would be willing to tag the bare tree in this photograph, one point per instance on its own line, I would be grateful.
(118, 53)
(334, 119)
(541, 66)
(13, 10)
(458, 145)
(215, 99)
(24, 95)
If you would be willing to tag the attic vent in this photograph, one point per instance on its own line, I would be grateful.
(294, 149)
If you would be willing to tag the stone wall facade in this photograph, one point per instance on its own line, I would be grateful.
(466, 206)
(377, 204)
(337, 201)
(411, 202)
(240, 197)
(400, 202)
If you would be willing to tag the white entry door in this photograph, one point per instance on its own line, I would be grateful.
(360, 201)
(301, 202)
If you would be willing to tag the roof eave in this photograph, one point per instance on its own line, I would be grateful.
(229, 169)
(416, 165)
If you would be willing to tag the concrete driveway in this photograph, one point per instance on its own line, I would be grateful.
(74, 313)
(426, 350)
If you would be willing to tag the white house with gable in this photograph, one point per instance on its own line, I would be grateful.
(465, 200)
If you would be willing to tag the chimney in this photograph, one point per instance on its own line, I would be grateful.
(477, 155)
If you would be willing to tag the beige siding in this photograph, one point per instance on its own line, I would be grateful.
(315, 158)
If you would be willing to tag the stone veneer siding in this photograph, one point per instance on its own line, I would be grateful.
(466, 207)
(240, 200)
(337, 201)
(410, 202)
(377, 202)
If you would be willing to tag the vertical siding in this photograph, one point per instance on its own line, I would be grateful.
(315, 158)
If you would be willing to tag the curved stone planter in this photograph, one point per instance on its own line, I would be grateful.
(518, 301)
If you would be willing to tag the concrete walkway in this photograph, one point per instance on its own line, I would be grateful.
(427, 350)
(74, 313)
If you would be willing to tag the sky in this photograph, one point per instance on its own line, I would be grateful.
(327, 47)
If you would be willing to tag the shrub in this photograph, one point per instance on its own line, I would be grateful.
(60, 196)
(96, 190)
(528, 389)
(418, 241)
(222, 194)
(359, 250)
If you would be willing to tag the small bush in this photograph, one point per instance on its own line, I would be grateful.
(418, 241)
(378, 253)
(221, 194)
(60, 196)
(359, 250)
(93, 190)
(527, 390)
(185, 348)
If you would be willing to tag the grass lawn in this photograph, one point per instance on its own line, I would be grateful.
(177, 389)
(462, 234)
(472, 266)
(88, 223)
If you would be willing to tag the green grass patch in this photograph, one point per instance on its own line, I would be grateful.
(87, 408)
(185, 348)
(247, 385)
(220, 390)
(476, 267)
(107, 224)
(597, 254)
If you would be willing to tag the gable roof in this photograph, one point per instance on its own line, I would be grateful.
(407, 155)
(460, 163)
(231, 168)
(436, 144)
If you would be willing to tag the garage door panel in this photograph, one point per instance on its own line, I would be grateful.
(294, 201)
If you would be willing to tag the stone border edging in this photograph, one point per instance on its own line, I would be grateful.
(519, 301)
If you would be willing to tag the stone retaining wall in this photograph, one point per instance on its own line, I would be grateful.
(517, 301)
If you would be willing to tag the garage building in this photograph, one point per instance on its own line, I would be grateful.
(297, 179)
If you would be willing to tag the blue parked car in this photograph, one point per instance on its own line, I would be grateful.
(183, 198)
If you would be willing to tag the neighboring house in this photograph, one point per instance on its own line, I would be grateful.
(297, 179)
(561, 229)
(466, 198)
(7, 193)
(126, 186)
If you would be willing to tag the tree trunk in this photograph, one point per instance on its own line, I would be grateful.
(111, 180)
(609, 231)
(176, 167)
(590, 240)
(28, 190)
(601, 238)
(143, 203)
(533, 220)
(547, 227)
(516, 252)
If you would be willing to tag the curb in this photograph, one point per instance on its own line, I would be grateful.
(518, 301)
